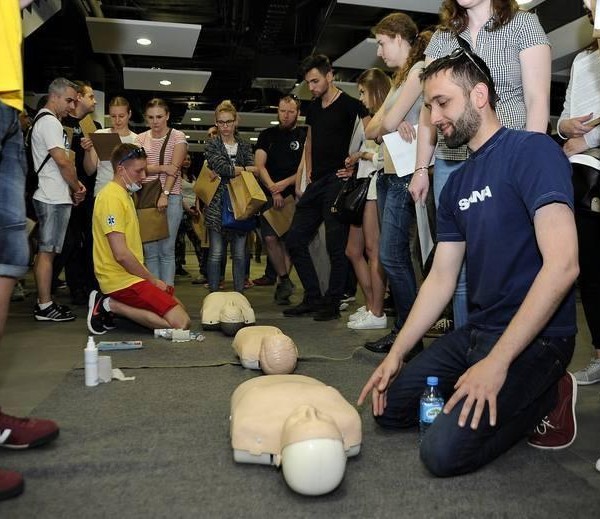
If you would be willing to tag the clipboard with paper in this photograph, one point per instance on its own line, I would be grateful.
(105, 143)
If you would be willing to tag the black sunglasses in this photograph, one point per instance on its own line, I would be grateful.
(459, 52)
(136, 153)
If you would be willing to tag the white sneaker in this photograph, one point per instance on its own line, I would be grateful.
(358, 314)
(588, 375)
(369, 322)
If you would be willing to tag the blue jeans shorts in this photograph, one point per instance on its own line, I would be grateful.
(53, 220)
(14, 250)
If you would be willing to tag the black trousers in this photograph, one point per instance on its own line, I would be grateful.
(588, 234)
(312, 209)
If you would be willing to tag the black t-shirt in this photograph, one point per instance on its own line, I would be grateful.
(284, 149)
(331, 130)
(72, 122)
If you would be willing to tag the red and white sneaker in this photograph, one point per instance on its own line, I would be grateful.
(25, 433)
(558, 430)
(11, 484)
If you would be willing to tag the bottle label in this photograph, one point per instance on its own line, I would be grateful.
(430, 410)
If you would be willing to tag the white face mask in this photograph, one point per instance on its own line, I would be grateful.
(132, 187)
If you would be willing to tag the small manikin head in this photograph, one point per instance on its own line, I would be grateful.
(278, 355)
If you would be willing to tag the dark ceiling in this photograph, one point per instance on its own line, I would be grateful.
(239, 41)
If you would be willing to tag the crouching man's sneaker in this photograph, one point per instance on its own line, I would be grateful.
(559, 429)
(25, 433)
(11, 484)
(97, 314)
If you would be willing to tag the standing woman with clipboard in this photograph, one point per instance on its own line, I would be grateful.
(165, 149)
(119, 113)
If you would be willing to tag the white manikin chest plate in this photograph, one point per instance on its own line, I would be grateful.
(260, 406)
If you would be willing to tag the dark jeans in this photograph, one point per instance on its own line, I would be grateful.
(528, 394)
(314, 208)
(397, 213)
(186, 228)
(588, 234)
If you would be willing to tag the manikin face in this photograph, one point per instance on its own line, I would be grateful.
(391, 50)
(133, 171)
(157, 118)
(451, 112)
(119, 116)
(318, 83)
(65, 102)
(86, 102)
(287, 114)
(226, 122)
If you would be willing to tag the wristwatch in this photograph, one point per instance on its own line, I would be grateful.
(166, 192)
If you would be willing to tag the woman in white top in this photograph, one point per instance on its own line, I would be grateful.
(119, 113)
(373, 87)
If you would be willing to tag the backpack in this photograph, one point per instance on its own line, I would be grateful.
(31, 180)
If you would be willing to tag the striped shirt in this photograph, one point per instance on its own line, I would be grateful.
(153, 146)
(500, 50)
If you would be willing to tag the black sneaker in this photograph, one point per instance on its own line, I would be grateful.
(283, 292)
(306, 307)
(383, 344)
(54, 312)
(96, 313)
(109, 321)
(328, 312)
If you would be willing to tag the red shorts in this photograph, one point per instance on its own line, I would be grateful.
(146, 296)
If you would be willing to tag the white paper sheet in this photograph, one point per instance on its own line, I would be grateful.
(585, 89)
(425, 239)
(403, 154)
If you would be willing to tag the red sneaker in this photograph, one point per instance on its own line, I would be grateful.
(263, 281)
(11, 484)
(559, 429)
(24, 433)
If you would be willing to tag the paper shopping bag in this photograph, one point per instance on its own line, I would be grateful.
(247, 197)
(281, 219)
(206, 184)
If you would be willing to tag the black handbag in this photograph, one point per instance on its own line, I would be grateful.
(349, 203)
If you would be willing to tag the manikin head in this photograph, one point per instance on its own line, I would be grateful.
(457, 89)
(278, 354)
(313, 459)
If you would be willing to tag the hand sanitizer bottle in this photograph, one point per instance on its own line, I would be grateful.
(91, 363)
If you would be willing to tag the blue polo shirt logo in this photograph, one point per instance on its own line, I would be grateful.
(476, 196)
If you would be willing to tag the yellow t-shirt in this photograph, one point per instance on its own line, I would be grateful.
(114, 212)
(11, 35)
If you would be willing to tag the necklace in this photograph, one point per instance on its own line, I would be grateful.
(337, 94)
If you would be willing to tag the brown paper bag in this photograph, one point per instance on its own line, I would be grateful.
(206, 186)
(153, 223)
(281, 219)
(247, 197)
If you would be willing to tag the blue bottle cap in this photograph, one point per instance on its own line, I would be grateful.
(432, 381)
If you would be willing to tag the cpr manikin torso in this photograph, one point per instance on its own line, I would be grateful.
(298, 422)
(226, 311)
(266, 348)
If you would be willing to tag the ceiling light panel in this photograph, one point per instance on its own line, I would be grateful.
(192, 81)
(117, 36)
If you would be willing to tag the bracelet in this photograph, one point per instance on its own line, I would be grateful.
(421, 168)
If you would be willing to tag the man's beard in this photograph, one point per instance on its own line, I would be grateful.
(464, 128)
(289, 126)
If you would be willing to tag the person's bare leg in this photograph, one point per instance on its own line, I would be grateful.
(6, 288)
(42, 270)
(371, 237)
(276, 254)
(355, 252)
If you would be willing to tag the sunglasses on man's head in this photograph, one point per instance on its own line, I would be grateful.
(459, 52)
(136, 153)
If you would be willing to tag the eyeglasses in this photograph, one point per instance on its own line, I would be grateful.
(226, 123)
(457, 53)
(136, 153)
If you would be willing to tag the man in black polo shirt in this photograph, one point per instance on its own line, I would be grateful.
(331, 118)
(278, 154)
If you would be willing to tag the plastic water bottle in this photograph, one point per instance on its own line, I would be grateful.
(431, 405)
(90, 354)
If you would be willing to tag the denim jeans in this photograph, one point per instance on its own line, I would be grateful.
(215, 256)
(159, 255)
(14, 250)
(396, 212)
(441, 173)
(314, 208)
(528, 394)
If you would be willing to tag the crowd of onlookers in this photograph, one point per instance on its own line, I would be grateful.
(117, 224)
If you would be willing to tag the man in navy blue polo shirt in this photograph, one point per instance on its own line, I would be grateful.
(509, 211)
